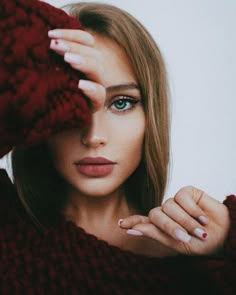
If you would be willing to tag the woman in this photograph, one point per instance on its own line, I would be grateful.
(78, 183)
(148, 98)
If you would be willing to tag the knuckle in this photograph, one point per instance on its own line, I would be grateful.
(143, 219)
(168, 201)
(100, 67)
(187, 222)
(182, 193)
(167, 226)
(92, 39)
(154, 213)
(86, 36)
(68, 34)
(98, 54)
(186, 189)
(168, 205)
(102, 94)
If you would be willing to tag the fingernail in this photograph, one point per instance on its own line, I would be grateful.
(58, 45)
(120, 221)
(54, 34)
(203, 219)
(88, 39)
(134, 232)
(73, 58)
(182, 236)
(200, 233)
(87, 86)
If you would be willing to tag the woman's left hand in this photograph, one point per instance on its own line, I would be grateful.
(77, 47)
(191, 223)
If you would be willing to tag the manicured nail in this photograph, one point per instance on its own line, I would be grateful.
(55, 34)
(58, 45)
(87, 86)
(120, 221)
(200, 233)
(134, 232)
(73, 58)
(182, 236)
(203, 219)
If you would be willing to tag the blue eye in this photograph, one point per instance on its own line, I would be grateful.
(123, 104)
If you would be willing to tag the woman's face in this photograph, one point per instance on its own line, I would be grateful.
(98, 160)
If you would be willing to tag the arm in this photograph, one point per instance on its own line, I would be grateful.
(35, 83)
(220, 270)
(216, 270)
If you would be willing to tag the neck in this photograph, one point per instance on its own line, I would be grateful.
(97, 215)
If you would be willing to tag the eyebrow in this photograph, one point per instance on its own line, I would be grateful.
(120, 87)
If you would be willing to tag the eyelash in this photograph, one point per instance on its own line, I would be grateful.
(126, 99)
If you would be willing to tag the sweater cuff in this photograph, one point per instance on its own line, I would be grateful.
(230, 243)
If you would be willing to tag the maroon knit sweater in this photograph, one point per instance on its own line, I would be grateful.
(67, 260)
(39, 93)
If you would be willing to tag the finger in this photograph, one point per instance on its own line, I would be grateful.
(81, 58)
(149, 230)
(95, 92)
(213, 208)
(79, 36)
(90, 66)
(168, 226)
(62, 46)
(188, 198)
(59, 46)
(131, 221)
(180, 216)
(189, 247)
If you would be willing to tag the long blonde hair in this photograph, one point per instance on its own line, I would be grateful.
(146, 187)
(148, 66)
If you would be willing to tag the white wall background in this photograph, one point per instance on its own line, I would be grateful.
(197, 39)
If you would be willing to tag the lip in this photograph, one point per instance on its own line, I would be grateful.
(94, 166)
(94, 161)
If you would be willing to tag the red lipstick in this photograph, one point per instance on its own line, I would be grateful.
(95, 166)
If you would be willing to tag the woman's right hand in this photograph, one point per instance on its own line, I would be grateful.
(191, 223)
(78, 49)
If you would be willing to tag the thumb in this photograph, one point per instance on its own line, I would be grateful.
(131, 221)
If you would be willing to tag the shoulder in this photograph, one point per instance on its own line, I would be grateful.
(9, 201)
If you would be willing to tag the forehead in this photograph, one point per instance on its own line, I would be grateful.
(115, 63)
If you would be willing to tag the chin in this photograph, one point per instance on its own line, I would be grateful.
(96, 187)
(96, 193)
(99, 192)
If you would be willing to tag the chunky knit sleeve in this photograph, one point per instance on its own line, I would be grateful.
(220, 270)
(39, 95)
(230, 244)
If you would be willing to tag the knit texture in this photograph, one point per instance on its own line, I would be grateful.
(67, 260)
(38, 97)
(39, 93)
(231, 245)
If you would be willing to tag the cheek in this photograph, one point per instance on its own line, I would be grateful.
(57, 157)
(60, 153)
(136, 140)
(132, 137)
(64, 145)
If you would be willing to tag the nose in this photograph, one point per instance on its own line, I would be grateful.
(96, 134)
